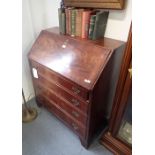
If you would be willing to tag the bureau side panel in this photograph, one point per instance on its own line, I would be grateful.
(103, 92)
(97, 120)
(117, 60)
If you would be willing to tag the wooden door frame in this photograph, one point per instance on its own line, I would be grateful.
(113, 125)
(124, 85)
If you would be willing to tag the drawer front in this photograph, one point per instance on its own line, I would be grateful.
(74, 102)
(77, 127)
(66, 106)
(75, 89)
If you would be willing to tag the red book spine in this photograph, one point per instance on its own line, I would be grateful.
(85, 24)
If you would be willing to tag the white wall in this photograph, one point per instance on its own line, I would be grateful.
(27, 40)
(36, 15)
(42, 14)
(119, 23)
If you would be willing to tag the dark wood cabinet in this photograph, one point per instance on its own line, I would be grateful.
(109, 4)
(71, 79)
(118, 138)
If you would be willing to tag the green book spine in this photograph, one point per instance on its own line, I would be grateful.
(100, 24)
(78, 25)
(63, 23)
(91, 26)
(73, 22)
(60, 20)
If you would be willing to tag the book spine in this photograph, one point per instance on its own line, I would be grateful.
(85, 24)
(94, 37)
(67, 21)
(78, 22)
(100, 25)
(91, 26)
(73, 19)
(63, 23)
(60, 20)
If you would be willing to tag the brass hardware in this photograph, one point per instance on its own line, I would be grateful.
(75, 126)
(108, 133)
(28, 113)
(76, 90)
(75, 113)
(130, 72)
(75, 102)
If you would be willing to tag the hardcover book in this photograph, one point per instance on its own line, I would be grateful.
(85, 23)
(100, 24)
(78, 22)
(67, 20)
(62, 20)
(91, 26)
(73, 19)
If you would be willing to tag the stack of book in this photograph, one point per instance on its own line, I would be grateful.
(82, 23)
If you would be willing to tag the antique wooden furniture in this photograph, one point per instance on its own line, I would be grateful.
(109, 4)
(118, 138)
(71, 79)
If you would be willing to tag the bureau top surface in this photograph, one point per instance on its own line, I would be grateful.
(79, 61)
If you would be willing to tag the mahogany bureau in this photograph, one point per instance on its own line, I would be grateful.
(71, 78)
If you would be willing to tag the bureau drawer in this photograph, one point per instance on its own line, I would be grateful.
(66, 106)
(74, 101)
(77, 127)
(71, 86)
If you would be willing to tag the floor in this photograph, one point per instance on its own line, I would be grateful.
(46, 135)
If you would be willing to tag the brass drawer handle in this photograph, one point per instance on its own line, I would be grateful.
(75, 113)
(75, 126)
(75, 102)
(76, 90)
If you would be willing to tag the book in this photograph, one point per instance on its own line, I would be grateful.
(78, 22)
(85, 23)
(100, 24)
(73, 19)
(91, 26)
(67, 20)
(60, 23)
(62, 20)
